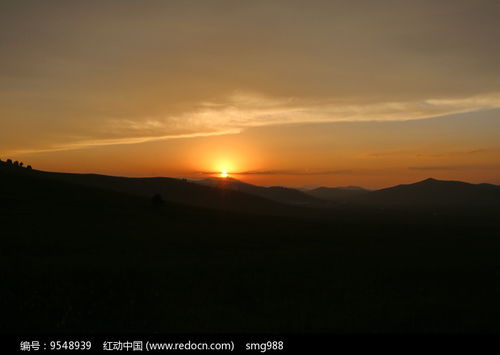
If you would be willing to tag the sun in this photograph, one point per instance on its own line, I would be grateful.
(224, 174)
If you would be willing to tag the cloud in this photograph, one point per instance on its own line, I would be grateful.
(241, 111)
(280, 172)
(118, 141)
(456, 153)
(85, 73)
(456, 167)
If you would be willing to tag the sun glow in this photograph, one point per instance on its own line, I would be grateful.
(224, 174)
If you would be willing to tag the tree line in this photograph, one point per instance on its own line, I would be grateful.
(15, 163)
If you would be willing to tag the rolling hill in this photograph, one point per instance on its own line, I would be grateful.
(172, 190)
(336, 194)
(276, 193)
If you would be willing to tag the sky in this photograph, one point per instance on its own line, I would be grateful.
(298, 93)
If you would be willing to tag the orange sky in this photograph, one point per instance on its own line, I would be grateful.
(276, 92)
(371, 154)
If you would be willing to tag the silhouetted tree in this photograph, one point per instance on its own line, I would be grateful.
(21, 164)
(28, 167)
(9, 161)
(157, 201)
(16, 163)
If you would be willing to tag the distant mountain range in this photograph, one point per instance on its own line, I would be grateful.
(430, 194)
(433, 194)
(276, 193)
(230, 194)
(337, 194)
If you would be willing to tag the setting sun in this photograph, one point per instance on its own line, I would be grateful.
(224, 174)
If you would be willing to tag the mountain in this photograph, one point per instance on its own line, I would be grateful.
(171, 190)
(336, 194)
(229, 194)
(276, 193)
(434, 194)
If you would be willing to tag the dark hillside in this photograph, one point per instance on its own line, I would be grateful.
(172, 190)
(82, 259)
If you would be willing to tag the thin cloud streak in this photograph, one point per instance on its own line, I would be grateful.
(456, 167)
(279, 172)
(121, 141)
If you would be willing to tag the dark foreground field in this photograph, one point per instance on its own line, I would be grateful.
(80, 259)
